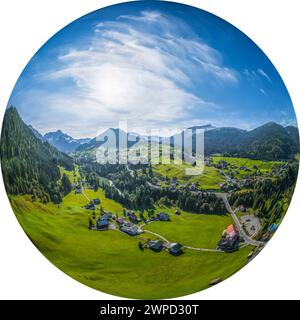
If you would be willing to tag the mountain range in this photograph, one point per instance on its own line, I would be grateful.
(60, 140)
(270, 141)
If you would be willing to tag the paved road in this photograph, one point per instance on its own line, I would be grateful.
(237, 223)
(157, 235)
(203, 249)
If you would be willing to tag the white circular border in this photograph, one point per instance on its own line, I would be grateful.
(25, 26)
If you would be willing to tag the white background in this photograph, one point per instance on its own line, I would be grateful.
(26, 25)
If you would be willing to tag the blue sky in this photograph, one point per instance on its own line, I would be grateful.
(158, 65)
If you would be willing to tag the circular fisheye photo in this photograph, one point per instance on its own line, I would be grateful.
(149, 150)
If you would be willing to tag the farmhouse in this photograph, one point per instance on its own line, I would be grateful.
(242, 208)
(175, 248)
(232, 234)
(222, 165)
(96, 201)
(155, 245)
(78, 189)
(244, 168)
(132, 216)
(102, 224)
(163, 216)
(107, 216)
(229, 237)
(131, 230)
(90, 206)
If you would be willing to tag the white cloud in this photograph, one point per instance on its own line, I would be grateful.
(257, 75)
(137, 74)
(262, 91)
(263, 74)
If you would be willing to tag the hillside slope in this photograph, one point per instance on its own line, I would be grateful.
(29, 165)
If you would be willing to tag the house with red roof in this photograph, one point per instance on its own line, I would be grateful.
(229, 238)
(232, 234)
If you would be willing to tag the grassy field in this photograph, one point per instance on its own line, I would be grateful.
(210, 179)
(72, 175)
(111, 261)
(194, 230)
(263, 166)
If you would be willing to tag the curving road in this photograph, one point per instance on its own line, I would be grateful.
(237, 223)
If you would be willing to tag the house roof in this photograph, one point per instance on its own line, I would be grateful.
(155, 243)
(102, 222)
(175, 246)
(163, 214)
(231, 232)
(106, 216)
(273, 227)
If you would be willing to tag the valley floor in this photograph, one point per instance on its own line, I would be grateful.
(112, 262)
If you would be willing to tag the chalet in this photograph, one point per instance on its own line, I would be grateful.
(229, 237)
(242, 208)
(132, 216)
(174, 180)
(175, 248)
(131, 230)
(78, 189)
(107, 216)
(102, 224)
(193, 187)
(90, 206)
(222, 164)
(96, 201)
(155, 245)
(163, 216)
(232, 234)
(244, 168)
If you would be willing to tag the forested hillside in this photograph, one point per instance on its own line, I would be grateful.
(269, 198)
(29, 165)
(270, 141)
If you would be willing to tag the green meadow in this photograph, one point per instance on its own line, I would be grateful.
(209, 179)
(111, 261)
(194, 230)
(263, 166)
